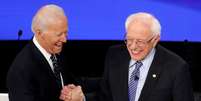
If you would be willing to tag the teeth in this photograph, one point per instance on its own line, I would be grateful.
(135, 51)
(58, 45)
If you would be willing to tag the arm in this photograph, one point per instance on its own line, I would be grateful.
(19, 86)
(182, 90)
(105, 93)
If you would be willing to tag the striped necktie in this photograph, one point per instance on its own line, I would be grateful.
(57, 68)
(134, 81)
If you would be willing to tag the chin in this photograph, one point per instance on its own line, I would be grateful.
(137, 58)
(57, 51)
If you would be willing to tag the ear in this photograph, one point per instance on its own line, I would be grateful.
(38, 32)
(156, 40)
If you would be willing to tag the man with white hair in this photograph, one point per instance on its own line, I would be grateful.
(37, 73)
(141, 69)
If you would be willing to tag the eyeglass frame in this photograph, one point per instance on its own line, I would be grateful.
(138, 42)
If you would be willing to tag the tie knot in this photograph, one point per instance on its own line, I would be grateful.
(138, 64)
(53, 58)
(55, 63)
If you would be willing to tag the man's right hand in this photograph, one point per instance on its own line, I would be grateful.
(72, 93)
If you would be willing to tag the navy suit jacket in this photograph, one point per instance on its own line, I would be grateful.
(172, 82)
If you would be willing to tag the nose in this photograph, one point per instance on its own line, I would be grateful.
(132, 45)
(64, 38)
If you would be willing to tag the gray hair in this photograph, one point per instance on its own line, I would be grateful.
(47, 13)
(144, 17)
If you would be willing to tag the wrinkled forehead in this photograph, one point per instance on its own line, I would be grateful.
(56, 27)
(55, 22)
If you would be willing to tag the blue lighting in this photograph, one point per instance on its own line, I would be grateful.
(104, 19)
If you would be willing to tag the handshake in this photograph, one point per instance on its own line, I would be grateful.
(72, 93)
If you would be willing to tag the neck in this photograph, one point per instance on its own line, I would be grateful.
(41, 43)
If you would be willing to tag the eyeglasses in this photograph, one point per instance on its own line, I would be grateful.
(138, 42)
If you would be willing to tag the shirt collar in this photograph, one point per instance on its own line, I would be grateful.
(41, 49)
(145, 60)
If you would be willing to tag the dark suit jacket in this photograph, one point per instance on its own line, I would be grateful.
(172, 82)
(30, 77)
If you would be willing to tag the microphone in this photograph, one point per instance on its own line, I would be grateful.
(136, 77)
(19, 34)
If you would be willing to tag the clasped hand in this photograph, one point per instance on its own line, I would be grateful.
(71, 93)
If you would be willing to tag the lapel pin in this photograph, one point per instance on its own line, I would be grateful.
(154, 75)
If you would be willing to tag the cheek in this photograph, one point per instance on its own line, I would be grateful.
(141, 53)
(54, 41)
(53, 45)
(146, 51)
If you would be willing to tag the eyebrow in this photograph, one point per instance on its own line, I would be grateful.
(60, 33)
(136, 39)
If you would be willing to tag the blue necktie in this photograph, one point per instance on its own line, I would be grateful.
(134, 81)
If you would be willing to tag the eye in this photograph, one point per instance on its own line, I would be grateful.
(60, 34)
(140, 41)
(129, 39)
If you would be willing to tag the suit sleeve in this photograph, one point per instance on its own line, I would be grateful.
(105, 92)
(182, 90)
(20, 86)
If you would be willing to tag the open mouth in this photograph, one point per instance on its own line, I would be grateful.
(136, 52)
(59, 45)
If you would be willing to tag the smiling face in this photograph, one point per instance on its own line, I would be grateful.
(140, 40)
(53, 36)
(50, 27)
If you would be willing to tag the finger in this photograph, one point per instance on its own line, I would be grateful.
(68, 98)
(62, 94)
(62, 97)
(71, 85)
(78, 89)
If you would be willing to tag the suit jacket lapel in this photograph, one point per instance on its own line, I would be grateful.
(124, 69)
(152, 77)
(42, 61)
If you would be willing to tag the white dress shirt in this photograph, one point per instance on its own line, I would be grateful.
(143, 71)
(47, 56)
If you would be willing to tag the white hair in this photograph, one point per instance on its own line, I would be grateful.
(145, 18)
(47, 13)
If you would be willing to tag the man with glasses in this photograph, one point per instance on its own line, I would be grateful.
(141, 70)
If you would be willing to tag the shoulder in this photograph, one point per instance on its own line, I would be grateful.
(117, 54)
(168, 56)
(118, 49)
(23, 59)
(170, 61)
